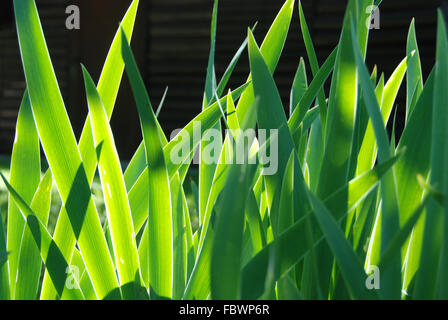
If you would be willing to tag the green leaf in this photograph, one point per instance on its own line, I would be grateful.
(114, 192)
(285, 216)
(200, 281)
(30, 262)
(400, 239)
(4, 274)
(210, 81)
(162, 101)
(179, 238)
(299, 86)
(58, 141)
(190, 252)
(160, 235)
(271, 118)
(314, 64)
(219, 182)
(271, 50)
(304, 104)
(378, 2)
(361, 126)
(363, 26)
(348, 262)
(341, 113)
(368, 152)
(198, 285)
(25, 177)
(232, 117)
(231, 67)
(414, 77)
(287, 253)
(391, 289)
(339, 131)
(108, 88)
(206, 169)
(434, 257)
(228, 241)
(288, 290)
(439, 158)
(79, 277)
(54, 261)
(255, 224)
(416, 161)
(315, 153)
(186, 138)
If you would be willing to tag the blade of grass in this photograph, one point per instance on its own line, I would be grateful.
(312, 58)
(361, 125)
(315, 154)
(390, 210)
(179, 238)
(25, 177)
(414, 77)
(160, 212)
(231, 67)
(219, 180)
(254, 273)
(228, 241)
(82, 279)
(108, 88)
(210, 81)
(286, 209)
(206, 118)
(368, 152)
(341, 111)
(400, 238)
(348, 262)
(257, 232)
(313, 89)
(416, 161)
(271, 50)
(232, 117)
(30, 262)
(61, 150)
(271, 118)
(288, 290)
(363, 27)
(138, 196)
(199, 283)
(190, 253)
(299, 86)
(4, 272)
(114, 192)
(433, 260)
(50, 253)
(338, 138)
(207, 170)
(162, 101)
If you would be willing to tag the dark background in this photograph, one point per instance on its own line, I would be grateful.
(171, 43)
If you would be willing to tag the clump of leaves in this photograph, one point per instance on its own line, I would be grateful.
(345, 197)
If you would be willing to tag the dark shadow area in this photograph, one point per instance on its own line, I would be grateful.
(55, 262)
(77, 203)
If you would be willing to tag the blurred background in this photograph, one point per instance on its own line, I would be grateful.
(171, 42)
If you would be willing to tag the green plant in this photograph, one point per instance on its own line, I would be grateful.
(344, 196)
